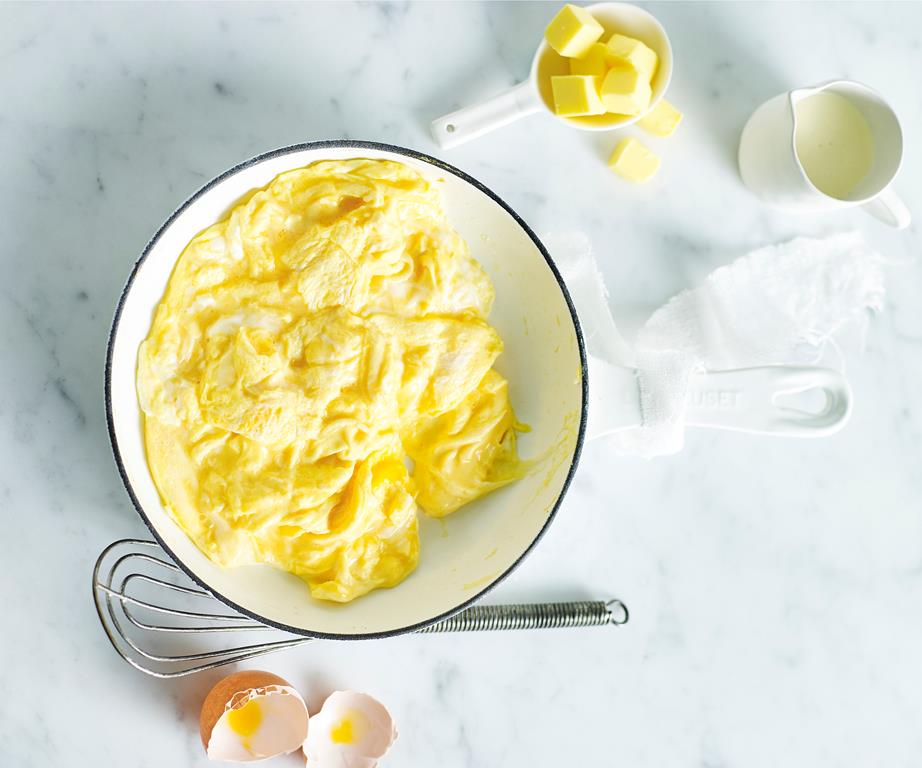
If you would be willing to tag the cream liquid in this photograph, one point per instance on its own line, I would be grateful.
(833, 142)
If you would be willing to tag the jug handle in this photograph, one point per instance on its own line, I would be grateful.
(890, 209)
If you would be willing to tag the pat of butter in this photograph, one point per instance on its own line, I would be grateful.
(576, 95)
(625, 91)
(630, 51)
(593, 63)
(572, 31)
(662, 120)
(633, 161)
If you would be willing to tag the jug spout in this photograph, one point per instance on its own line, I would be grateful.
(799, 94)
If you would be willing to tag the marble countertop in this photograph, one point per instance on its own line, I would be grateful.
(775, 586)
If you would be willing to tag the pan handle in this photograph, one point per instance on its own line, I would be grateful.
(614, 398)
(741, 400)
(752, 400)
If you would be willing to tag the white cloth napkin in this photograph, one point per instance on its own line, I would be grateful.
(782, 304)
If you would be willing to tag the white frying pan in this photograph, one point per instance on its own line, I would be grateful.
(544, 359)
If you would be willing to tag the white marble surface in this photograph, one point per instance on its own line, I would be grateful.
(775, 586)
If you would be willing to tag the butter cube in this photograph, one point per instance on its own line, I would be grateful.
(593, 63)
(576, 95)
(625, 91)
(628, 50)
(572, 31)
(633, 161)
(662, 120)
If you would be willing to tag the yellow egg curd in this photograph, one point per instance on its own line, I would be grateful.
(332, 327)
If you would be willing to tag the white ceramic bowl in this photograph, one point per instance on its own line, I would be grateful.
(624, 19)
(472, 550)
(536, 93)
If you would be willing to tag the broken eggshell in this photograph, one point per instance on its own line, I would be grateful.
(351, 730)
(252, 716)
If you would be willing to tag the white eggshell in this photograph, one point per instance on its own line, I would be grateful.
(370, 726)
(282, 726)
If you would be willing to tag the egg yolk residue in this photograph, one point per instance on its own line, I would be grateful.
(245, 720)
(344, 731)
(332, 327)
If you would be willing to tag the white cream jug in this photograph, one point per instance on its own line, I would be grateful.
(776, 169)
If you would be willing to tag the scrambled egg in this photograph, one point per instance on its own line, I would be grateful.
(332, 327)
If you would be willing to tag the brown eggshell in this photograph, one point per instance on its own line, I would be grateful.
(224, 690)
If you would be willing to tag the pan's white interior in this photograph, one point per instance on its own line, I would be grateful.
(460, 556)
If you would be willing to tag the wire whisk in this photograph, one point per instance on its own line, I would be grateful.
(163, 624)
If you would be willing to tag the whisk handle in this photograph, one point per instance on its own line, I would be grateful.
(587, 613)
